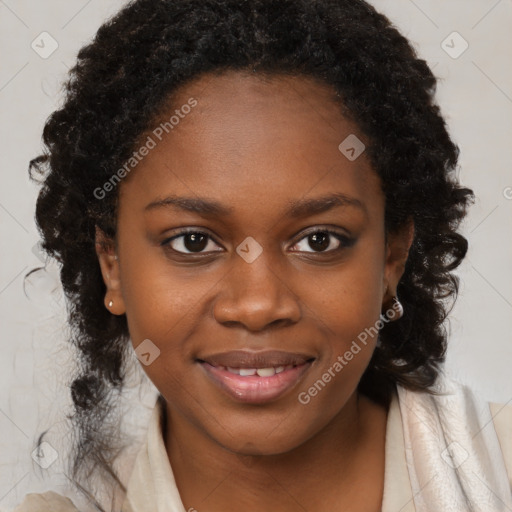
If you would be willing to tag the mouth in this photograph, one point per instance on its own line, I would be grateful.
(256, 377)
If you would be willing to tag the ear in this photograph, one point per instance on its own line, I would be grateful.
(109, 264)
(397, 252)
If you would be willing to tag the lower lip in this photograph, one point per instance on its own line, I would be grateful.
(255, 389)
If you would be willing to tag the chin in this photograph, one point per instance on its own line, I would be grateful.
(266, 438)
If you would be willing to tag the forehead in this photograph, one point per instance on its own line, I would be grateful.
(251, 135)
(246, 106)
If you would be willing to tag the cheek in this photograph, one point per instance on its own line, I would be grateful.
(161, 303)
(163, 310)
(345, 305)
(348, 300)
(160, 306)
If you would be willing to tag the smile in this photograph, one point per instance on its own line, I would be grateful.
(261, 372)
(254, 379)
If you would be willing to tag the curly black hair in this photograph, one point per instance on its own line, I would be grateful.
(128, 73)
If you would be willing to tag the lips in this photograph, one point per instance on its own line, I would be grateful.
(262, 359)
(255, 377)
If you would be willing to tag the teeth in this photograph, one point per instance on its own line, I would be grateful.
(246, 372)
(266, 372)
(261, 372)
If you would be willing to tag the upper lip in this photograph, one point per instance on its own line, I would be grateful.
(261, 359)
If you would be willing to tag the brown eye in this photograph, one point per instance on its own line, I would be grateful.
(323, 240)
(190, 242)
(319, 241)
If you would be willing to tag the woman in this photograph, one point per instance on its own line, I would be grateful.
(259, 198)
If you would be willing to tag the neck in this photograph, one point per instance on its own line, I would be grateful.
(334, 467)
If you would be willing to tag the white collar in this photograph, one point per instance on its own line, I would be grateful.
(152, 487)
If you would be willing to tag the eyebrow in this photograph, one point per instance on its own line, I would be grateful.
(295, 208)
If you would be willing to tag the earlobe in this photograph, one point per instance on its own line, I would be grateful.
(110, 271)
(397, 252)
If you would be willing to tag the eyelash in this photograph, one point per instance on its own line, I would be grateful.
(345, 241)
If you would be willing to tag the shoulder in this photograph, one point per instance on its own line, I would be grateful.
(46, 502)
(502, 419)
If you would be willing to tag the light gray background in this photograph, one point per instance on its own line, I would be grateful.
(475, 94)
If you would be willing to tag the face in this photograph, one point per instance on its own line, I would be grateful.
(251, 254)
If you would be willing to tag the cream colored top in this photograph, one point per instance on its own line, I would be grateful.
(152, 488)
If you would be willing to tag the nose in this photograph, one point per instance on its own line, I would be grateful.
(256, 296)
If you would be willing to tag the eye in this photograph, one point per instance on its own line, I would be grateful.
(324, 240)
(190, 242)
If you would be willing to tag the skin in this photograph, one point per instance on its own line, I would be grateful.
(255, 145)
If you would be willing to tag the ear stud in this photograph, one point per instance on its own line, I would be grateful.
(397, 306)
(110, 304)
